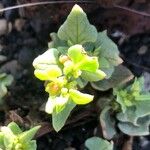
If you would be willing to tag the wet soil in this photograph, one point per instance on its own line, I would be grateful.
(24, 34)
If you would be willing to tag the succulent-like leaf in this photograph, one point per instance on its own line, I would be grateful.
(2, 141)
(8, 137)
(14, 128)
(80, 98)
(141, 130)
(3, 90)
(135, 120)
(143, 108)
(120, 76)
(59, 119)
(30, 145)
(128, 116)
(107, 123)
(77, 29)
(5, 80)
(96, 143)
(27, 136)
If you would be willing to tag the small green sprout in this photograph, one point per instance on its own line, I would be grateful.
(96, 143)
(134, 116)
(132, 94)
(5, 80)
(13, 138)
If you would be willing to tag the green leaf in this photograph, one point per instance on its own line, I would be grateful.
(81, 82)
(96, 143)
(121, 101)
(8, 137)
(89, 47)
(107, 123)
(7, 80)
(60, 103)
(2, 141)
(63, 50)
(108, 49)
(3, 90)
(77, 29)
(56, 42)
(27, 136)
(93, 76)
(108, 53)
(128, 115)
(143, 97)
(59, 119)
(141, 130)
(120, 76)
(14, 128)
(30, 145)
(143, 108)
(108, 71)
(80, 98)
(2, 75)
(104, 63)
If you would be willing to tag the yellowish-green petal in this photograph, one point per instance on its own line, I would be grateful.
(51, 72)
(50, 106)
(80, 98)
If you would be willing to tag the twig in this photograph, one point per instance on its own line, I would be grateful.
(132, 10)
(128, 144)
(42, 3)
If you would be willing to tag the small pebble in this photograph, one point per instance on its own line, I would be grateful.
(2, 58)
(11, 67)
(25, 57)
(142, 50)
(19, 23)
(3, 26)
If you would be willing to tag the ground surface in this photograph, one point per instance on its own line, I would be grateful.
(24, 34)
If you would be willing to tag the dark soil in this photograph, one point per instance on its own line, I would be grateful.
(27, 36)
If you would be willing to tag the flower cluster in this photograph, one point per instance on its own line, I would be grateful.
(62, 72)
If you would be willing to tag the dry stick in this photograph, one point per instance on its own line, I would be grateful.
(61, 2)
(132, 10)
(128, 144)
(42, 3)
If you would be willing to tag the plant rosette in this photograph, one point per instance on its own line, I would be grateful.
(77, 54)
(13, 138)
